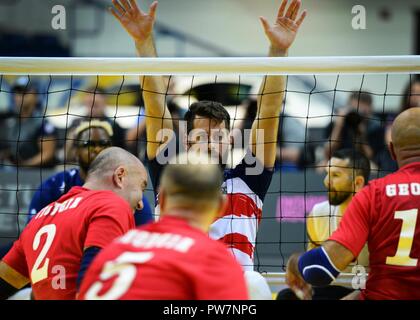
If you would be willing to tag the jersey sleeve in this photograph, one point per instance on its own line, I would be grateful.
(353, 230)
(17, 272)
(110, 220)
(213, 284)
(258, 183)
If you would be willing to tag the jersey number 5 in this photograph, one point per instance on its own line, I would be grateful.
(124, 268)
(39, 272)
(402, 256)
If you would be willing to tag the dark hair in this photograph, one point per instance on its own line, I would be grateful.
(358, 161)
(361, 96)
(405, 98)
(208, 109)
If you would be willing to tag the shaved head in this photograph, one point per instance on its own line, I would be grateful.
(192, 182)
(405, 136)
(110, 159)
(120, 171)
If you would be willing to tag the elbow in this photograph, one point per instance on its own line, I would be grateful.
(316, 268)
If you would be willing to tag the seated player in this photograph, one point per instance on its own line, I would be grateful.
(385, 214)
(59, 243)
(208, 128)
(89, 139)
(346, 174)
(173, 258)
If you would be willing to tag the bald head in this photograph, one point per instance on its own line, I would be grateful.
(110, 159)
(192, 182)
(405, 136)
(121, 172)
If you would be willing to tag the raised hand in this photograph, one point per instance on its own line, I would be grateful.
(136, 22)
(283, 32)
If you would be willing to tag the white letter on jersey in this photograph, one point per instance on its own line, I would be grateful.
(391, 190)
(403, 189)
(59, 280)
(59, 20)
(415, 189)
(359, 20)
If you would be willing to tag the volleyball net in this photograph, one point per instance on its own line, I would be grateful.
(42, 100)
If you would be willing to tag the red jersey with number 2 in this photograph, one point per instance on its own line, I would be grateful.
(50, 248)
(386, 215)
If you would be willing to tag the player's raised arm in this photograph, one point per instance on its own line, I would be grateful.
(281, 35)
(139, 25)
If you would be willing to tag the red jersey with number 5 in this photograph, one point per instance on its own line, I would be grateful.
(386, 215)
(166, 260)
(50, 248)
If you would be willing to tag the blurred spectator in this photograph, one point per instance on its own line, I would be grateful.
(290, 140)
(411, 95)
(28, 138)
(290, 143)
(410, 99)
(356, 127)
(94, 102)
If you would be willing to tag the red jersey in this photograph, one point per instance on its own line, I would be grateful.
(166, 260)
(385, 214)
(50, 248)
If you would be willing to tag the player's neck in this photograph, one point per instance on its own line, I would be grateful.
(193, 218)
(343, 206)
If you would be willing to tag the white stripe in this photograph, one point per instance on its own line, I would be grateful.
(233, 224)
(319, 267)
(209, 66)
(237, 185)
(329, 260)
(243, 259)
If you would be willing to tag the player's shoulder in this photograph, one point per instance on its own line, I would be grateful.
(321, 208)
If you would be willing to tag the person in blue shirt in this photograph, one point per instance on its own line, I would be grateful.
(89, 139)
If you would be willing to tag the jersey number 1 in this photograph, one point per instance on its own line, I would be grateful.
(402, 256)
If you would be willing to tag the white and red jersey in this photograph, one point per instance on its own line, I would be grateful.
(238, 225)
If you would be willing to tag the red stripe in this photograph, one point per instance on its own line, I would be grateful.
(240, 204)
(238, 241)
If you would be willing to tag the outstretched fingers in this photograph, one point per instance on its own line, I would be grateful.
(282, 8)
(301, 18)
(291, 9)
(118, 8)
(152, 9)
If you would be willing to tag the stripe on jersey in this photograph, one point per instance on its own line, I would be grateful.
(238, 241)
(240, 204)
(237, 185)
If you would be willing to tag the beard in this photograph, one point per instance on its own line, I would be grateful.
(336, 198)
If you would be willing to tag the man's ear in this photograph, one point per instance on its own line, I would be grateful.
(118, 177)
(359, 183)
(391, 150)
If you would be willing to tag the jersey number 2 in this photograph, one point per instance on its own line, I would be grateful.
(39, 272)
(402, 256)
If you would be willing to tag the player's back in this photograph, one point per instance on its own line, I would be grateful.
(168, 259)
(54, 240)
(394, 235)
